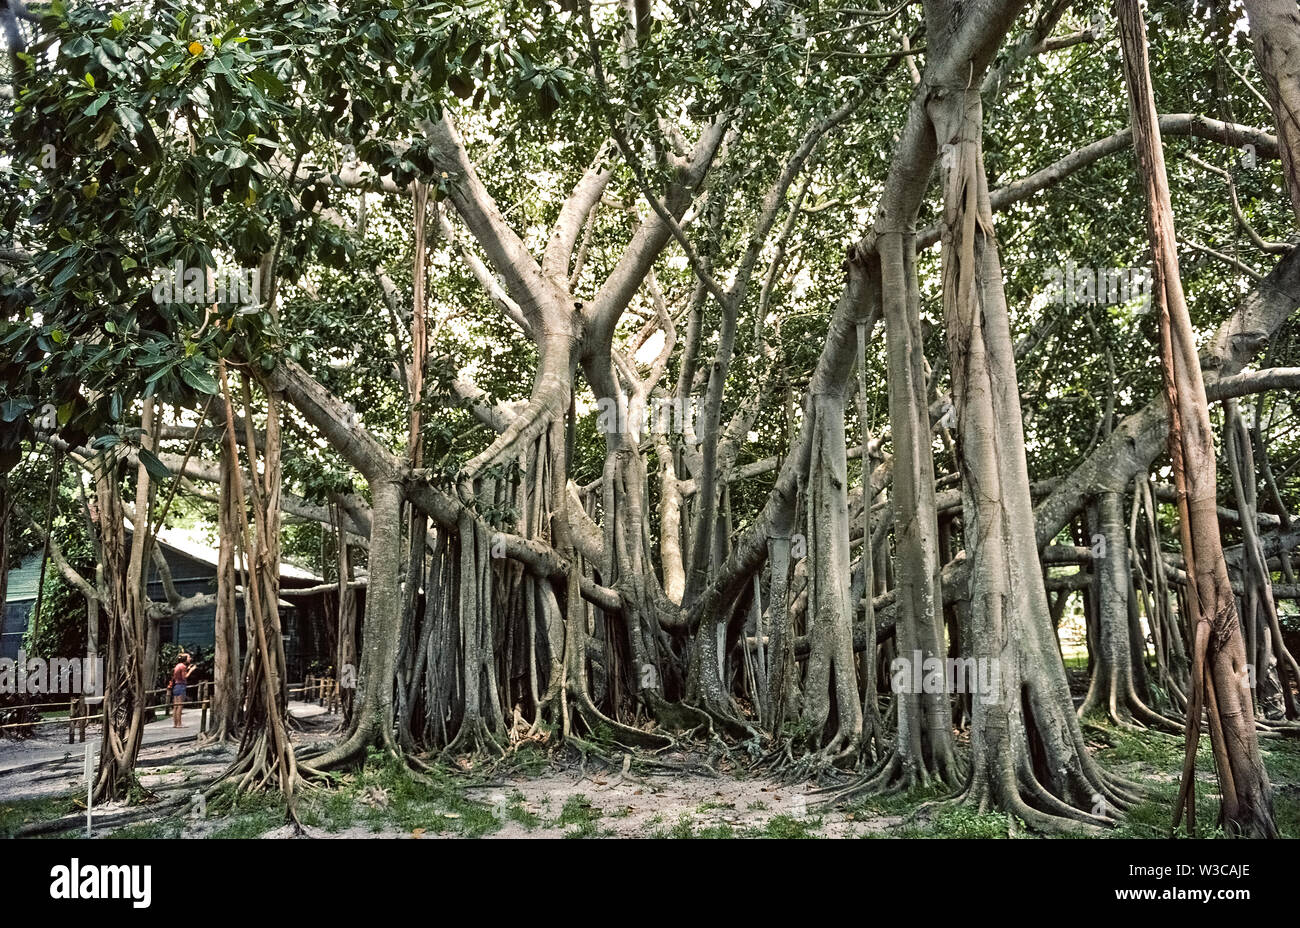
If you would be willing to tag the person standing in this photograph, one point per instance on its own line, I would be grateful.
(180, 673)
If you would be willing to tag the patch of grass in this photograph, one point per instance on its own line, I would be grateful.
(516, 812)
(433, 801)
(136, 793)
(16, 813)
(334, 810)
(720, 831)
(252, 825)
(787, 827)
(1154, 750)
(250, 815)
(1286, 810)
(1281, 758)
(580, 813)
(962, 821)
(529, 759)
(682, 829)
(711, 805)
(896, 804)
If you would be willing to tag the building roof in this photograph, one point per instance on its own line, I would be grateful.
(25, 578)
(195, 549)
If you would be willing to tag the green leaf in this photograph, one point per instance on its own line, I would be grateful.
(199, 380)
(232, 157)
(11, 409)
(156, 468)
(130, 119)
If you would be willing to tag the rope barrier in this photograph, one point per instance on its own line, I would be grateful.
(86, 718)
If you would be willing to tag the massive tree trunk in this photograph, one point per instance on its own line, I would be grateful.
(1275, 32)
(1028, 751)
(1219, 661)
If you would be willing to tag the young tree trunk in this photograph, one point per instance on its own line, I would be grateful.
(126, 677)
(345, 659)
(1219, 672)
(5, 509)
(227, 689)
(1113, 689)
(923, 751)
(1275, 667)
(265, 754)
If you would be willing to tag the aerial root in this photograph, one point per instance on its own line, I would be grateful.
(625, 735)
(726, 720)
(476, 741)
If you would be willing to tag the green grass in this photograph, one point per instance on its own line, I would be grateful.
(897, 803)
(516, 812)
(960, 821)
(786, 827)
(1282, 760)
(582, 815)
(387, 795)
(1154, 750)
(16, 813)
(1157, 753)
(245, 815)
(383, 796)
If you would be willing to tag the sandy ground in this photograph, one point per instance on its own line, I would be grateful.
(170, 760)
(642, 806)
(629, 805)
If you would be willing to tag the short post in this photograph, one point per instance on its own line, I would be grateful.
(203, 707)
(72, 721)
